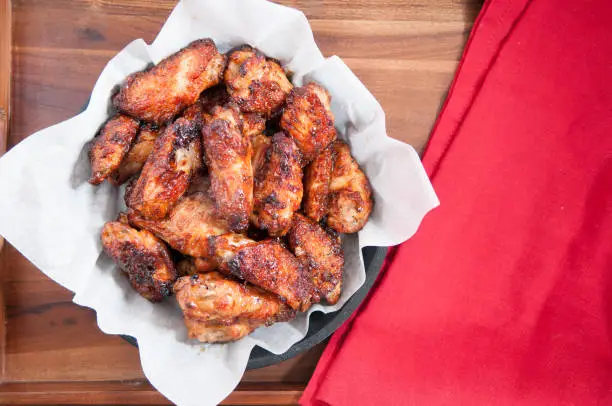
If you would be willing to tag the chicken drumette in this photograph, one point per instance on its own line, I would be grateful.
(158, 94)
(143, 257)
(350, 202)
(256, 83)
(219, 308)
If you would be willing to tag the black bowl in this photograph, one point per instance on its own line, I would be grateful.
(321, 325)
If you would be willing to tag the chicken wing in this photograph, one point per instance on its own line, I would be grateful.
(218, 308)
(137, 155)
(278, 187)
(109, 148)
(317, 177)
(158, 94)
(223, 248)
(143, 257)
(165, 176)
(253, 124)
(191, 265)
(321, 252)
(256, 83)
(260, 143)
(228, 157)
(188, 225)
(272, 267)
(309, 120)
(350, 202)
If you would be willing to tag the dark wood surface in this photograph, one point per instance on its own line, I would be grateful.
(404, 51)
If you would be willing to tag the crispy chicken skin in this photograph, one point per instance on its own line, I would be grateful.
(223, 248)
(321, 253)
(188, 225)
(228, 157)
(309, 120)
(272, 267)
(278, 187)
(212, 332)
(165, 176)
(218, 308)
(137, 155)
(143, 257)
(253, 124)
(109, 148)
(350, 193)
(191, 265)
(317, 176)
(256, 83)
(158, 94)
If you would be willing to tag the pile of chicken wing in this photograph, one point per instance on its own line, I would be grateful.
(237, 188)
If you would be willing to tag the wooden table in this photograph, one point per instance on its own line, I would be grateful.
(404, 51)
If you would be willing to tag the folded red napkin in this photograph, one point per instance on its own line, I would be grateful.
(504, 296)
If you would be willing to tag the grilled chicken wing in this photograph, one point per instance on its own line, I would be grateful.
(253, 124)
(223, 248)
(321, 253)
(191, 266)
(218, 308)
(158, 94)
(350, 193)
(165, 176)
(143, 257)
(309, 120)
(188, 225)
(278, 187)
(256, 83)
(228, 157)
(317, 177)
(271, 266)
(109, 148)
(137, 155)
(260, 143)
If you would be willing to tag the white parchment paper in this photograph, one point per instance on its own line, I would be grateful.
(52, 215)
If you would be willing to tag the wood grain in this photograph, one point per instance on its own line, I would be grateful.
(405, 51)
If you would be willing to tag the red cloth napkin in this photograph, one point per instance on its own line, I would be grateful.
(504, 296)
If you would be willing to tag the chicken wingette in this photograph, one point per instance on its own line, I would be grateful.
(176, 156)
(143, 257)
(321, 253)
(111, 146)
(309, 120)
(350, 201)
(160, 93)
(272, 267)
(278, 187)
(228, 157)
(255, 83)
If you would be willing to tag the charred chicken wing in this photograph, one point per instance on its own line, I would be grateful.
(321, 253)
(271, 266)
(228, 157)
(143, 257)
(256, 83)
(223, 248)
(317, 177)
(109, 148)
(158, 94)
(278, 187)
(350, 193)
(137, 155)
(309, 120)
(165, 176)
